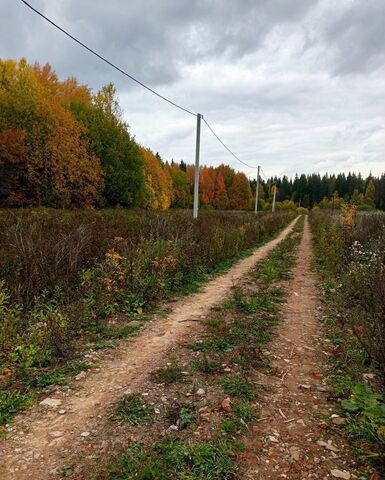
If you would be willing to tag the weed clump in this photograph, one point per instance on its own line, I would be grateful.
(207, 365)
(175, 458)
(132, 409)
(12, 402)
(238, 387)
(167, 375)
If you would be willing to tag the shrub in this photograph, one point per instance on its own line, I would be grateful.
(302, 211)
(64, 272)
(352, 247)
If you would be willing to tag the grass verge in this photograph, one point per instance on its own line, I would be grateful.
(199, 438)
(352, 372)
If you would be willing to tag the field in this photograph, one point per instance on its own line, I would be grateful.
(140, 344)
(76, 280)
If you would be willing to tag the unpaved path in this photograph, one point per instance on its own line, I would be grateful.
(294, 439)
(43, 439)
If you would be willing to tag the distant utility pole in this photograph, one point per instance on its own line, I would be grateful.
(257, 192)
(196, 176)
(275, 191)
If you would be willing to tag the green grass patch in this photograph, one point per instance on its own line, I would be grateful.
(233, 426)
(207, 365)
(132, 409)
(244, 411)
(214, 344)
(11, 403)
(182, 415)
(167, 375)
(238, 387)
(175, 458)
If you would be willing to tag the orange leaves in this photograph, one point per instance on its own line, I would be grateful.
(12, 146)
(158, 182)
(44, 150)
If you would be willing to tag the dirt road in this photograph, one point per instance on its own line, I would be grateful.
(45, 436)
(294, 439)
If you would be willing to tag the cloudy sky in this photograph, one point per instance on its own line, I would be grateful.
(292, 85)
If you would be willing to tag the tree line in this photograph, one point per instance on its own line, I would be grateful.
(63, 146)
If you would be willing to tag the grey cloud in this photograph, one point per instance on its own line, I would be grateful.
(357, 34)
(293, 85)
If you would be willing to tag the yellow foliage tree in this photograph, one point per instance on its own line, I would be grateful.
(158, 181)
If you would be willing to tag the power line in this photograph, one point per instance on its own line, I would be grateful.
(107, 61)
(226, 147)
(263, 173)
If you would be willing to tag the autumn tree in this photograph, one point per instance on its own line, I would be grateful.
(111, 141)
(220, 200)
(158, 182)
(240, 196)
(181, 193)
(206, 186)
(44, 150)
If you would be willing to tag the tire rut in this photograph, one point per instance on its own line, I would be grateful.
(44, 438)
(296, 437)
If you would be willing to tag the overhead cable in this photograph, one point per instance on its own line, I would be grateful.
(225, 146)
(107, 61)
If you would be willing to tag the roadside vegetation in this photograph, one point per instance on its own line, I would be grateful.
(201, 410)
(78, 281)
(350, 257)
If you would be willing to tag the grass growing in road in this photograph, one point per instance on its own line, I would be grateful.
(132, 409)
(175, 458)
(223, 360)
(238, 387)
(168, 374)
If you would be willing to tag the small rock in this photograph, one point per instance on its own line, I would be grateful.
(341, 474)
(327, 445)
(85, 434)
(367, 377)
(51, 402)
(62, 412)
(273, 439)
(295, 453)
(339, 420)
(226, 404)
(304, 387)
(320, 388)
(56, 434)
(201, 392)
(204, 410)
(81, 375)
(172, 428)
(227, 369)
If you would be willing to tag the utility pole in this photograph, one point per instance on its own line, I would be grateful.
(273, 206)
(257, 192)
(196, 176)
